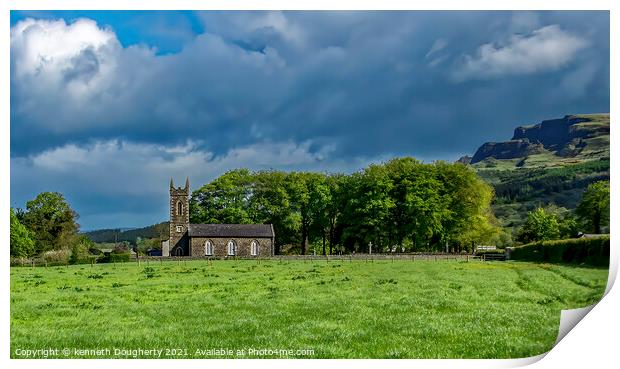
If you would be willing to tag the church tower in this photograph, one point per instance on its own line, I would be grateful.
(179, 219)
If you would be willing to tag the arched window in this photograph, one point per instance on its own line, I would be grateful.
(232, 248)
(208, 248)
(254, 248)
(179, 251)
(179, 208)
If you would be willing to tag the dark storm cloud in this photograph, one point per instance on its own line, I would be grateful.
(333, 89)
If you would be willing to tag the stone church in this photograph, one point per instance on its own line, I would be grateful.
(217, 240)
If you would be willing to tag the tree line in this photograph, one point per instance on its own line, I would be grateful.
(399, 205)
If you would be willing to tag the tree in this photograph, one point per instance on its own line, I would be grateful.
(51, 220)
(22, 244)
(320, 198)
(308, 193)
(366, 215)
(539, 226)
(79, 249)
(224, 200)
(594, 206)
(270, 203)
(467, 216)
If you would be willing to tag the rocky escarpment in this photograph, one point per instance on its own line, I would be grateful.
(565, 137)
(507, 150)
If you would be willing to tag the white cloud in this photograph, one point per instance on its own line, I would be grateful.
(79, 55)
(546, 48)
(100, 165)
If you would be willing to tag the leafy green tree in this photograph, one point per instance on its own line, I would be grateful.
(467, 216)
(568, 226)
(308, 193)
(51, 220)
(539, 226)
(271, 203)
(367, 212)
(594, 206)
(22, 244)
(336, 184)
(224, 200)
(79, 249)
(320, 198)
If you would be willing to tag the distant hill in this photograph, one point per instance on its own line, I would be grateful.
(130, 235)
(549, 163)
(573, 139)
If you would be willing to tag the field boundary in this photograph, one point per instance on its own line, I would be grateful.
(38, 262)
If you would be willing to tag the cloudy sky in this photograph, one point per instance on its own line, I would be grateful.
(107, 106)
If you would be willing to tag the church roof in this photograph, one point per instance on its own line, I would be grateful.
(231, 230)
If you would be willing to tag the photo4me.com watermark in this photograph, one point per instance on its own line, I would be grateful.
(157, 353)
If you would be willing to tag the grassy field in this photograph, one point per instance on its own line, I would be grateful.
(400, 309)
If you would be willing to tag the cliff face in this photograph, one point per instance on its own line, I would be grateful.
(551, 133)
(507, 150)
(563, 137)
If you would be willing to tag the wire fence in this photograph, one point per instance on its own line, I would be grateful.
(370, 258)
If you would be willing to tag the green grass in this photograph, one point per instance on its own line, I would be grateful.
(400, 309)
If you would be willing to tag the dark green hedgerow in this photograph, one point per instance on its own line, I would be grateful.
(591, 251)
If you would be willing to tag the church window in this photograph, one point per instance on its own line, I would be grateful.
(179, 229)
(232, 248)
(180, 208)
(208, 248)
(254, 248)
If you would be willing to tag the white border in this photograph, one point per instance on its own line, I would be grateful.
(593, 342)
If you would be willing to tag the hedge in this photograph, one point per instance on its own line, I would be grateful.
(114, 258)
(591, 251)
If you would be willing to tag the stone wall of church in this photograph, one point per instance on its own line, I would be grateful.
(220, 246)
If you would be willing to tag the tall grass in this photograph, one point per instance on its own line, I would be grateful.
(356, 309)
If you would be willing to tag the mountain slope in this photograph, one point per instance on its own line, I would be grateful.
(573, 139)
(549, 163)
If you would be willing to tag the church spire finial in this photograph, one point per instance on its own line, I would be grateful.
(171, 183)
(187, 183)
